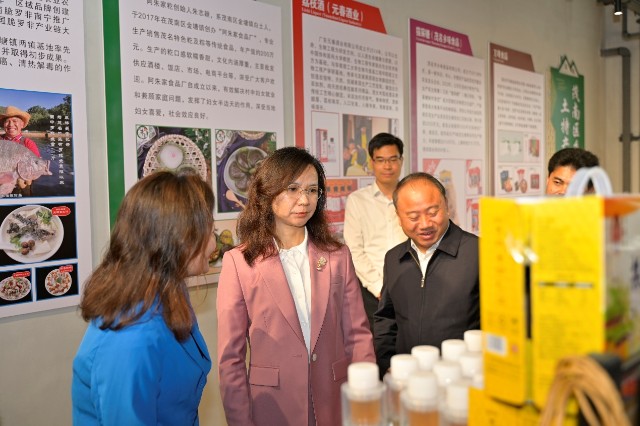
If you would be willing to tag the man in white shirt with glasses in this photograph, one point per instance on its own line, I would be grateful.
(371, 225)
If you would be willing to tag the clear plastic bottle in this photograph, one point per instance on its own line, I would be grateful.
(446, 372)
(452, 349)
(402, 366)
(426, 356)
(473, 340)
(420, 400)
(471, 364)
(362, 396)
(456, 409)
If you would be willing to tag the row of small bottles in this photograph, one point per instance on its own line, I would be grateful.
(421, 389)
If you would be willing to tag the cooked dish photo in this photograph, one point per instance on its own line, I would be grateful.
(14, 288)
(240, 168)
(175, 152)
(31, 234)
(57, 283)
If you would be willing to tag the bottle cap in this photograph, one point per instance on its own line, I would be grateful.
(447, 372)
(362, 375)
(402, 366)
(452, 349)
(422, 387)
(473, 340)
(458, 398)
(426, 356)
(471, 363)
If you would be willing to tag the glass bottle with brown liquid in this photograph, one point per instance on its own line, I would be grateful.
(446, 372)
(456, 409)
(420, 401)
(402, 367)
(362, 396)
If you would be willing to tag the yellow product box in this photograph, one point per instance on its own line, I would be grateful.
(559, 276)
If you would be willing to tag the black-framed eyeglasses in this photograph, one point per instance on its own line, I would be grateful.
(388, 160)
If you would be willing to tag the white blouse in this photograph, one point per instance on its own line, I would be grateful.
(295, 262)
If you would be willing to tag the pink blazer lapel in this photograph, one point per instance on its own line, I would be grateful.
(276, 282)
(320, 286)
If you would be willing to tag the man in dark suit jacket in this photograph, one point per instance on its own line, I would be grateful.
(430, 289)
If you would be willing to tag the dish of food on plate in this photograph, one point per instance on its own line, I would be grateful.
(175, 152)
(224, 243)
(14, 288)
(241, 166)
(31, 234)
(58, 283)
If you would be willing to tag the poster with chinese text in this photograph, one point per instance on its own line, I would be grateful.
(348, 88)
(518, 124)
(448, 117)
(200, 86)
(567, 105)
(44, 152)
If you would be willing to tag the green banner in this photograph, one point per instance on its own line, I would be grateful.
(113, 95)
(567, 108)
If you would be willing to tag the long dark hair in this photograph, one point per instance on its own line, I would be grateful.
(164, 222)
(256, 223)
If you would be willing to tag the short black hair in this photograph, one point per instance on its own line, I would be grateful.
(419, 176)
(573, 157)
(383, 139)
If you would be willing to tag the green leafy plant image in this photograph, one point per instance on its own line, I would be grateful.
(45, 216)
(618, 322)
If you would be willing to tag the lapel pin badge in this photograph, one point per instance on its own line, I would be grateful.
(321, 262)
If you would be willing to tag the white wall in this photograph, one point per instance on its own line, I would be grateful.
(36, 350)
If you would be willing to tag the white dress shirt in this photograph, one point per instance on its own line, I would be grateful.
(295, 262)
(371, 228)
(424, 258)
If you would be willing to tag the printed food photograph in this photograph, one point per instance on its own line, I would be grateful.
(58, 283)
(224, 243)
(173, 148)
(238, 153)
(31, 234)
(226, 239)
(14, 288)
(35, 233)
(241, 165)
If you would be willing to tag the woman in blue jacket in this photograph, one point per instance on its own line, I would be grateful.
(143, 360)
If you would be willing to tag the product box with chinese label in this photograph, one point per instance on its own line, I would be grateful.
(558, 276)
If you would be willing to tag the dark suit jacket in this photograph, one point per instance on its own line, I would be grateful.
(412, 312)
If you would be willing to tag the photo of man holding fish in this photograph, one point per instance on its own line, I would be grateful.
(20, 150)
(36, 144)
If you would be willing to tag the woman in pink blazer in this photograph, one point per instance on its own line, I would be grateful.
(290, 292)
